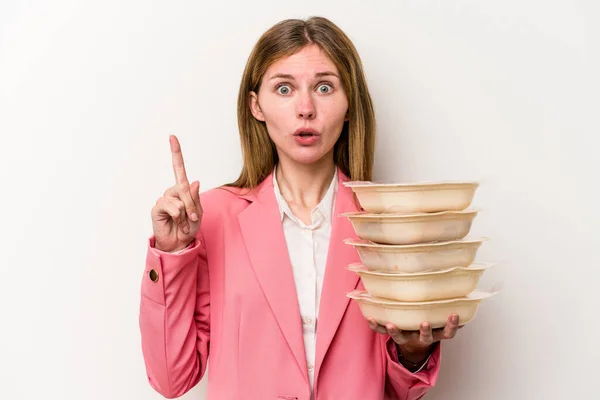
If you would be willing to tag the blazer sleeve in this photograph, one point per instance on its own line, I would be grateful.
(174, 318)
(400, 383)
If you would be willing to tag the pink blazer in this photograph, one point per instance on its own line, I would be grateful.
(231, 295)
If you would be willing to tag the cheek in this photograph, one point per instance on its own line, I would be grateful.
(276, 115)
(336, 107)
(336, 115)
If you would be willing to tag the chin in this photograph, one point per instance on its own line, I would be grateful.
(307, 157)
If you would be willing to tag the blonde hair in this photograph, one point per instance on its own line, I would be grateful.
(354, 150)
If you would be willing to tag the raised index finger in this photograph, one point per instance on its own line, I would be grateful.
(177, 156)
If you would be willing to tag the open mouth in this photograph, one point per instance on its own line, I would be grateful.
(306, 133)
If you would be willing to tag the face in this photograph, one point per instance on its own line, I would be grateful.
(303, 104)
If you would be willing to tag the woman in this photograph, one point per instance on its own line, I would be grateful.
(254, 273)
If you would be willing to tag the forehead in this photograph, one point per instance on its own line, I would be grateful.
(308, 61)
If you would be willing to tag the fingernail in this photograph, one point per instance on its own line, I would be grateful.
(194, 217)
(455, 319)
(186, 229)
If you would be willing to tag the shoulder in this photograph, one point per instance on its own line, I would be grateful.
(222, 197)
(223, 202)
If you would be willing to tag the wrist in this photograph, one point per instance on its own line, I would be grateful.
(414, 354)
(166, 249)
(413, 359)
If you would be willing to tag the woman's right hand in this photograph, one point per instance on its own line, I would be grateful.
(177, 214)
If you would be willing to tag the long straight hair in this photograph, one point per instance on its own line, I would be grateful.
(354, 150)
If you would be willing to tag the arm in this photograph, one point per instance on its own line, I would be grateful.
(400, 383)
(174, 318)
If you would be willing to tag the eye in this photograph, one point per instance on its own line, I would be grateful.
(283, 89)
(325, 88)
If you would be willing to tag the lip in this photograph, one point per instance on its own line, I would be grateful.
(307, 140)
(306, 130)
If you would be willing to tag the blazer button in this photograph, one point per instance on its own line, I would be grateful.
(153, 275)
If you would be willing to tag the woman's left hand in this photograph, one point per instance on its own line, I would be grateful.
(417, 344)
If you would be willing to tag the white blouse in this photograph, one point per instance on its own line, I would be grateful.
(307, 247)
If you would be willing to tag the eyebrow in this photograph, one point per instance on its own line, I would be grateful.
(317, 75)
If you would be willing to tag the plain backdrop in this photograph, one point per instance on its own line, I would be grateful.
(504, 92)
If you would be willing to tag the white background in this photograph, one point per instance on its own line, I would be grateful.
(505, 92)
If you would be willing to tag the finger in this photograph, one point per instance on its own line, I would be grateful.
(391, 329)
(186, 196)
(182, 221)
(184, 192)
(173, 191)
(195, 192)
(395, 333)
(375, 326)
(170, 207)
(426, 335)
(179, 216)
(371, 322)
(177, 158)
(381, 329)
(451, 327)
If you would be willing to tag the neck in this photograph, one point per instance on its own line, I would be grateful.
(305, 185)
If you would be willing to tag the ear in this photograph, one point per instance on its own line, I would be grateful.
(347, 118)
(255, 107)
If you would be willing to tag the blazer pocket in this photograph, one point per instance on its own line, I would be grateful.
(287, 397)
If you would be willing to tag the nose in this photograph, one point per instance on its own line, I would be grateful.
(306, 107)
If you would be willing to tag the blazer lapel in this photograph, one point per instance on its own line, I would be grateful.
(267, 249)
(338, 279)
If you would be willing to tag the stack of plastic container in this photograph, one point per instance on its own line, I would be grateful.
(417, 263)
